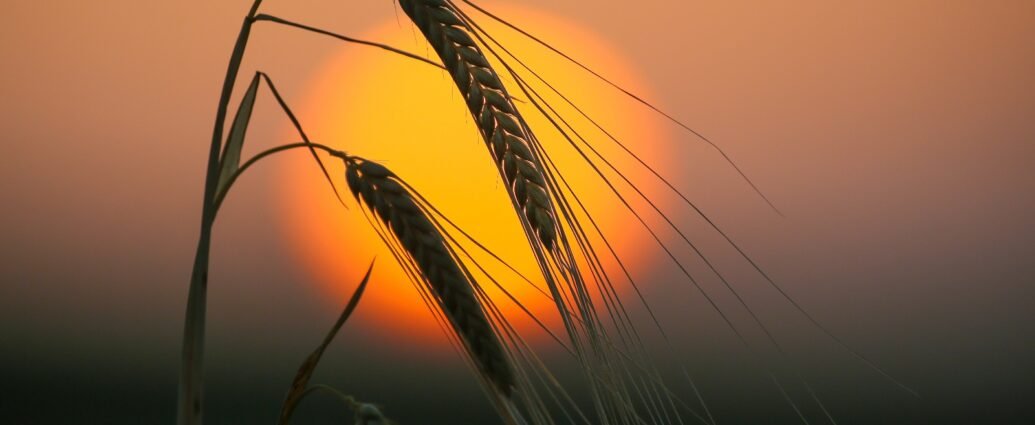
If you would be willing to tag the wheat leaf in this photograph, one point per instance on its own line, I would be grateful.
(305, 372)
(235, 141)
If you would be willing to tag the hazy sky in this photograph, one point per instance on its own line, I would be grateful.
(897, 139)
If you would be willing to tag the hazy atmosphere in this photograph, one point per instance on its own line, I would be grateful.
(896, 139)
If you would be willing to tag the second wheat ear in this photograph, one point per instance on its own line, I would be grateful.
(382, 192)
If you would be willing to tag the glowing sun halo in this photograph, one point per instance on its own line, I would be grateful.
(410, 117)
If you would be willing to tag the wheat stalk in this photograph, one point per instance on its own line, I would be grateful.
(513, 148)
(498, 120)
(385, 195)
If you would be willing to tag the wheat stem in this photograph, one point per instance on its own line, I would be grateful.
(190, 397)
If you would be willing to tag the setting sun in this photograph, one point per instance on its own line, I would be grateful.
(409, 116)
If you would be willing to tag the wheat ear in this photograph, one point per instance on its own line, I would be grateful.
(397, 208)
(498, 120)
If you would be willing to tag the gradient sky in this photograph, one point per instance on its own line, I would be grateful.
(897, 138)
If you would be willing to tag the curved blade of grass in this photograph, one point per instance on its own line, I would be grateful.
(235, 140)
(305, 372)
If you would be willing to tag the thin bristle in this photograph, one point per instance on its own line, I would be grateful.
(498, 120)
(384, 194)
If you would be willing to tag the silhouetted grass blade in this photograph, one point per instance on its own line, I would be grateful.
(305, 372)
(235, 140)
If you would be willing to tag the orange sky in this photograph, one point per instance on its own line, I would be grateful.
(896, 138)
(358, 102)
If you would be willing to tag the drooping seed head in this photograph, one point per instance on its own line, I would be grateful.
(498, 120)
(384, 194)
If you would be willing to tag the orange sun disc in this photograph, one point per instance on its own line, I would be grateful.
(410, 117)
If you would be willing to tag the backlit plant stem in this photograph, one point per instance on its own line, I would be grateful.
(189, 405)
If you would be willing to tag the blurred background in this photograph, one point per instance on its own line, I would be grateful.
(895, 137)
